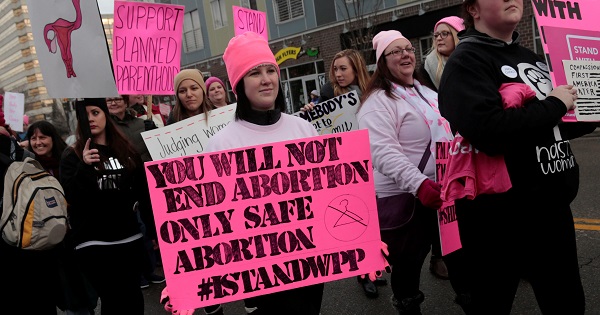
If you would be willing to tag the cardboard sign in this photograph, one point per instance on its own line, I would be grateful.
(585, 76)
(189, 136)
(14, 107)
(247, 20)
(569, 32)
(71, 48)
(447, 221)
(257, 220)
(335, 115)
(147, 46)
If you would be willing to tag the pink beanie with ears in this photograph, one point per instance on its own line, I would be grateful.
(244, 52)
(383, 39)
(454, 21)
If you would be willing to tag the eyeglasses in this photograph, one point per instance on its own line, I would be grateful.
(110, 100)
(401, 51)
(443, 34)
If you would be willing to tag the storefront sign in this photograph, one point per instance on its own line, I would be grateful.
(287, 53)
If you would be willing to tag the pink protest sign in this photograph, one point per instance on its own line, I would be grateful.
(568, 32)
(146, 47)
(448, 225)
(257, 220)
(247, 20)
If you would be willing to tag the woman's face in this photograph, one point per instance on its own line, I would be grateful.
(41, 144)
(216, 94)
(116, 105)
(191, 96)
(400, 60)
(496, 16)
(136, 99)
(261, 86)
(344, 73)
(97, 120)
(444, 40)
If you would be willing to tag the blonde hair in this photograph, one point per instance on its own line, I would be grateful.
(440, 58)
(360, 71)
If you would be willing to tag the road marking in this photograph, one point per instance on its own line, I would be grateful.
(587, 224)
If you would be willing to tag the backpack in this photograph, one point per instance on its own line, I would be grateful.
(34, 208)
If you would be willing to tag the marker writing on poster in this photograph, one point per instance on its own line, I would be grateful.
(552, 7)
(288, 272)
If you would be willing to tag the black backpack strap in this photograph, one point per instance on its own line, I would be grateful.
(5, 159)
(425, 158)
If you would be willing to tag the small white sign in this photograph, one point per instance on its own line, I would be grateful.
(189, 136)
(14, 107)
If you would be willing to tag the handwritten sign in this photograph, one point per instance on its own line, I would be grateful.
(334, 115)
(247, 20)
(447, 221)
(570, 32)
(146, 46)
(256, 220)
(71, 48)
(189, 136)
(585, 76)
(14, 106)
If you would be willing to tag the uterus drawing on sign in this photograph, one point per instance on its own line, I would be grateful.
(59, 32)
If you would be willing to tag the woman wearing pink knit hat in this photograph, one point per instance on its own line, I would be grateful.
(404, 124)
(445, 40)
(260, 118)
(217, 94)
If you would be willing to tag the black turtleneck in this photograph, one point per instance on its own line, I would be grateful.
(263, 118)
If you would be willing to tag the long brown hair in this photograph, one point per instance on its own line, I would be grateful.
(468, 19)
(118, 143)
(358, 65)
(180, 113)
(380, 80)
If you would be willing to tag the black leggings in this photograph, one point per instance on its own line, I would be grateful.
(114, 272)
(409, 246)
(519, 237)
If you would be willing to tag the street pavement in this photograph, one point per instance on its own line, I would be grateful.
(346, 296)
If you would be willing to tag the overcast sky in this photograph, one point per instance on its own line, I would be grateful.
(106, 6)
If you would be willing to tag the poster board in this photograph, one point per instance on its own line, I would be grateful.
(256, 220)
(147, 42)
(447, 221)
(189, 136)
(71, 48)
(569, 31)
(334, 115)
(248, 20)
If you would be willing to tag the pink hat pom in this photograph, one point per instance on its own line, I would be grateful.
(454, 21)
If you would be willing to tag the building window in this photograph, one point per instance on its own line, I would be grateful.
(537, 41)
(425, 44)
(249, 4)
(288, 10)
(192, 32)
(218, 13)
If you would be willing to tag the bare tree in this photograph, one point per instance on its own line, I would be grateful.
(359, 26)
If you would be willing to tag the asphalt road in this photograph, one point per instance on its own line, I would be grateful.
(346, 296)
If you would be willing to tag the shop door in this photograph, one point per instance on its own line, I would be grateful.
(300, 91)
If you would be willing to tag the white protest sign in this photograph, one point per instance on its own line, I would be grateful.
(71, 48)
(189, 136)
(584, 75)
(14, 104)
(334, 115)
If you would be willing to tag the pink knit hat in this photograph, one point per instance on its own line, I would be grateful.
(212, 80)
(244, 52)
(383, 39)
(454, 21)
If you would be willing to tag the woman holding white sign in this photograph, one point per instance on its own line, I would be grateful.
(404, 124)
